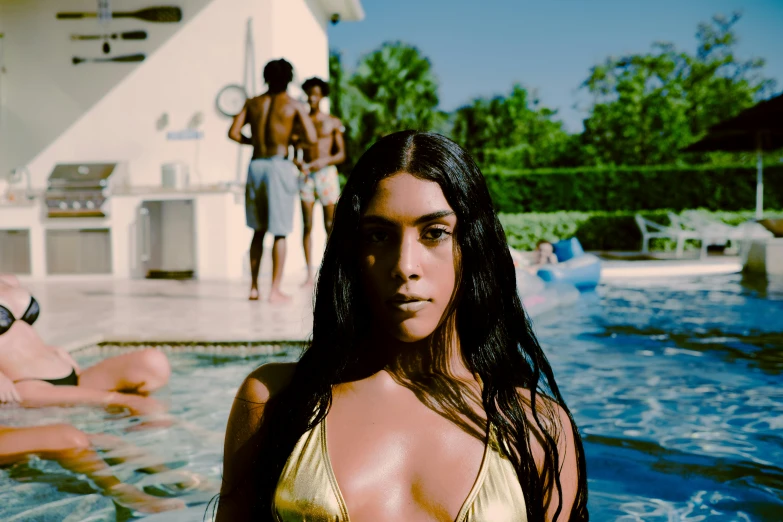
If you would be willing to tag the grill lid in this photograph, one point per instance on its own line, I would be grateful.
(73, 175)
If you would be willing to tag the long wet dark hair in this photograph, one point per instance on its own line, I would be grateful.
(494, 333)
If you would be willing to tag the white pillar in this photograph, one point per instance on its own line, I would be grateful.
(759, 183)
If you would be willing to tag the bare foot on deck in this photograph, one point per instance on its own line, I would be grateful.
(278, 297)
(253, 294)
(136, 500)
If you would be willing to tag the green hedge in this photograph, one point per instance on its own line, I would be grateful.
(598, 230)
(633, 189)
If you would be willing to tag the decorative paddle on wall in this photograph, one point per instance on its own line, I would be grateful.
(119, 59)
(130, 35)
(104, 20)
(150, 14)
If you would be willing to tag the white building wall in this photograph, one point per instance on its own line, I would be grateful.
(181, 80)
(42, 93)
(55, 112)
(299, 35)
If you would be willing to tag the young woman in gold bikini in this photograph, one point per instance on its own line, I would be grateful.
(424, 394)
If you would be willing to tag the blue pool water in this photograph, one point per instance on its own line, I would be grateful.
(676, 387)
(678, 392)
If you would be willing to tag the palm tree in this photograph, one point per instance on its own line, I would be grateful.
(392, 89)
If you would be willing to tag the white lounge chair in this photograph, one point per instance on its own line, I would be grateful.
(716, 232)
(747, 230)
(712, 227)
(711, 233)
(652, 230)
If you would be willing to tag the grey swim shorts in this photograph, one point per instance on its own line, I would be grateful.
(270, 195)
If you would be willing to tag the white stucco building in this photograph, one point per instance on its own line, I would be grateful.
(54, 112)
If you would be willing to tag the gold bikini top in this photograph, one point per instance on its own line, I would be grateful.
(308, 492)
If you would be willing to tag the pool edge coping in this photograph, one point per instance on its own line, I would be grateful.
(100, 340)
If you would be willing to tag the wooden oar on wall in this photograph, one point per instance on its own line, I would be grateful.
(151, 14)
(129, 35)
(118, 59)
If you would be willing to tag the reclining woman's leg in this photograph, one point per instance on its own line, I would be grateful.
(141, 371)
(72, 449)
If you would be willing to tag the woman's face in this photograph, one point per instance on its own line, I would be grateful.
(408, 256)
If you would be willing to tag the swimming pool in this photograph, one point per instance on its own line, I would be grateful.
(676, 388)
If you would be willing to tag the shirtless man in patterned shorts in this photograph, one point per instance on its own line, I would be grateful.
(319, 173)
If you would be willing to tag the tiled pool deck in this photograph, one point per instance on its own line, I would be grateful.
(75, 314)
(80, 313)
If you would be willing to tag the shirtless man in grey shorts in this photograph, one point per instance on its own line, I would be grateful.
(272, 179)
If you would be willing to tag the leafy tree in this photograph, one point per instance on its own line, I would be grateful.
(336, 83)
(647, 106)
(512, 131)
(393, 88)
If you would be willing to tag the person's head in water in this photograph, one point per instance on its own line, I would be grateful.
(316, 89)
(545, 247)
(417, 256)
(278, 74)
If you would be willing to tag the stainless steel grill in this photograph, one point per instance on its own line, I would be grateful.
(80, 189)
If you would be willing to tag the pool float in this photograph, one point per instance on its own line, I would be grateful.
(575, 266)
(539, 297)
(556, 285)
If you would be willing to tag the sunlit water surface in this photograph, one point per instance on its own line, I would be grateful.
(676, 387)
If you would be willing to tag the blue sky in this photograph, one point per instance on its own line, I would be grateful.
(481, 47)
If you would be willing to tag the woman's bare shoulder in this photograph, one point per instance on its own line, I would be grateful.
(266, 381)
(256, 390)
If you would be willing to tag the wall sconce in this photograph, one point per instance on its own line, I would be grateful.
(196, 120)
(162, 122)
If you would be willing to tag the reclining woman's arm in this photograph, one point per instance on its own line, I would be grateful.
(38, 394)
(8, 391)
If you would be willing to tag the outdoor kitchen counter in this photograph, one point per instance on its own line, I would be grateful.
(187, 191)
(20, 213)
(216, 220)
(221, 239)
(20, 203)
(21, 236)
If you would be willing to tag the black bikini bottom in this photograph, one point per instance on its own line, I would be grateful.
(71, 380)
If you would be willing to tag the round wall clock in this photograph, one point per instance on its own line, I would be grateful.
(231, 99)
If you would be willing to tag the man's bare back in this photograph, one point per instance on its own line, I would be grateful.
(271, 177)
(271, 117)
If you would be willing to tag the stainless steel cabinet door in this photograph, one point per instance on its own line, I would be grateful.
(15, 252)
(78, 251)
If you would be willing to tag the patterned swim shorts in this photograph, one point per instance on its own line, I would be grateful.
(323, 184)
